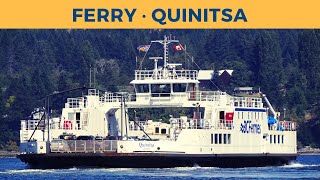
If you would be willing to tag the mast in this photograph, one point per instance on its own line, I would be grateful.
(165, 42)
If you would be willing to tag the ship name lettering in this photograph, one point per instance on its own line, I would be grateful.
(145, 145)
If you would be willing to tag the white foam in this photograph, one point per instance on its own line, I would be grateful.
(27, 171)
(298, 165)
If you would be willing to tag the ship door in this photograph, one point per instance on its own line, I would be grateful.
(78, 120)
(264, 143)
(222, 119)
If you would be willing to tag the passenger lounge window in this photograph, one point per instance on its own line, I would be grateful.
(229, 138)
(157, 130)
(216, 141)
(225, 139)
(220, 138)
(163, 131)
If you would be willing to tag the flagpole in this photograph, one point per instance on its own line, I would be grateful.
(136, 63)
(185, 56)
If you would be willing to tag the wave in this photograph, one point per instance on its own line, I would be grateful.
(37, 171)
(298, 165)
(27, 171)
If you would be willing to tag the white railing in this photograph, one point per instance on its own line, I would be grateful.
(166, 74)
(224, 124)
(31, 124)
(115, 97)
(191, 123)
(76, 102)
(136, 126)
(83, 146)
(93, 92)
(283, 126)
(247, 102)
(205, 95)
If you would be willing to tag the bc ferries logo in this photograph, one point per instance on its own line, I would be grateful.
(248, 127)
(146, 145)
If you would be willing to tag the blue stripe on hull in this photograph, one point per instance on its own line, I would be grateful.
(250, 109)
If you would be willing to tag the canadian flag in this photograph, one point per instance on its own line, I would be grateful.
(178, 47)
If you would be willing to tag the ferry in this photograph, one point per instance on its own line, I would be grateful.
(222, 130)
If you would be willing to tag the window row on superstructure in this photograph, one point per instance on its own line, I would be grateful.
(164, 88)
(276, 139)
(219, 138)
(250, 115)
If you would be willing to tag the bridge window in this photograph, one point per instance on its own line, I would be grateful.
(191, 87)
(142, 88)
(179, 87)
(160, 89)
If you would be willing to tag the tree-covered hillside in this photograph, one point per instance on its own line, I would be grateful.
(285, 64)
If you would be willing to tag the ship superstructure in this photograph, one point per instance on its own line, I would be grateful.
(230, 131)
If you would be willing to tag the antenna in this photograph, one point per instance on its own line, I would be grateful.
(165, 44)
(90, 83)
(94, 77)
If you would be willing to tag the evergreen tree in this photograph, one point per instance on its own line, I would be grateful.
(309, 58)
(269, 66)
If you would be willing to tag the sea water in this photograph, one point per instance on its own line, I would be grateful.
(305, 167)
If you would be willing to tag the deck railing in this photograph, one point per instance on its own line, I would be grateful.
(76, 102)
(115, 97)
(59, 146)
(166, 74)
(205, 95)
(283, 126)
(136, 126)
(254, 102)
